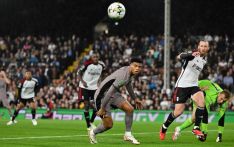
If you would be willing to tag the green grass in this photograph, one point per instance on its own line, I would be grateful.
(56, 133)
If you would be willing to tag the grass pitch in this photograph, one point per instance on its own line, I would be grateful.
(57, 133)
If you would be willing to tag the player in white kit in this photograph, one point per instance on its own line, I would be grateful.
(187, 87)
(89, 74)
(27, 89)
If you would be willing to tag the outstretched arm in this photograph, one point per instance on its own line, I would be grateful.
(7, 80)
(138, 102)
(187, 55)
(80, 74)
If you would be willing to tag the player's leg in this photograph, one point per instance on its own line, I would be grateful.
(106, 124)
(7, 105)
(128, 109)
(18, 108)
(94, 114)
(204, 125)
(198, 98)
(180, 96)
(85, 94)
(33, 111)
(186, 124)
(179, 109)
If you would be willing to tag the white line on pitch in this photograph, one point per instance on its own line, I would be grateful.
(67, 136)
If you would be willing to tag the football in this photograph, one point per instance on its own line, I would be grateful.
(116, 11)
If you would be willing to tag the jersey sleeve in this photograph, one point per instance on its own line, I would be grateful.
(103, 65)
(119, 80)
(222, 109)
(36, 88)
(19, 86)
(186, 56)
(83, 67)
(130, 90)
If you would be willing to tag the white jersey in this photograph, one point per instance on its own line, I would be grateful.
(91, 74)
(191, 70)
(27, 88)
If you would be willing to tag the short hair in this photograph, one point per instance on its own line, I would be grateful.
(94, 54)
(136, 59)
(226, 93)
(203, 40)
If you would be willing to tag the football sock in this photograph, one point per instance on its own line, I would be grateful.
(198, 117)
(220, 129)
(87, 119)
(167, 123)
(128, 121)
(15, 115)
(204, 127)
(33, 113)
(93, 116)
(100, 128)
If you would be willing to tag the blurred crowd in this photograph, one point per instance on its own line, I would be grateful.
(48, 58)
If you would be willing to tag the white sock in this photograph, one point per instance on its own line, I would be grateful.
(128, 133)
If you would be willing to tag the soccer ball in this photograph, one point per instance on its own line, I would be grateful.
(116, 11)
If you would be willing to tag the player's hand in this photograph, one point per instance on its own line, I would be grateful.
(195, 54)
(219, 138)
(101, 112)
(139, 104)
(84, 83)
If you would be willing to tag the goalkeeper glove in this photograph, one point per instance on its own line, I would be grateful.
(219, 138)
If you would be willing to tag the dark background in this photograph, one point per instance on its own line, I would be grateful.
(143, 17)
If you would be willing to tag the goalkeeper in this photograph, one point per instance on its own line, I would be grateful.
(214, 96)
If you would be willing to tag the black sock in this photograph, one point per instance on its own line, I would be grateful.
(87, 119)
(93, 116)
(33, 113)
(198, 116)
(167, 123)
(15, 115)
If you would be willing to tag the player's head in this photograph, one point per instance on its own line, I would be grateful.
(203, 47)
(28, 75)
(135, 66)
(2, 72)
(95, 57)
(223, 96)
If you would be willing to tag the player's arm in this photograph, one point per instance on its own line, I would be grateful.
(187, 55)
(19, 88)
(102, 76)
(138, 102)
(80, 74)
(7, 80)
(37, 87)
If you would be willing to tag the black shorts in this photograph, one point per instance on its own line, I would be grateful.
(86, 94)
(181, 95)
(25, 101)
